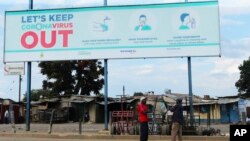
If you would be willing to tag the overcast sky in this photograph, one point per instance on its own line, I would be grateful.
(214, 76)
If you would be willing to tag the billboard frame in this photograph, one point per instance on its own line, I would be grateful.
(57, 10)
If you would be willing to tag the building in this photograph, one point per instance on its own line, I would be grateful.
(16, 110)
(206, 110)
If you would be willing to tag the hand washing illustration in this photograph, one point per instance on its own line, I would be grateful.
(102, 26)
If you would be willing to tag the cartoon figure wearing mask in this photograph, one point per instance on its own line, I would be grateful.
(142, 24)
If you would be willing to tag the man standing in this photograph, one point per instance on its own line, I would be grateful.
(143, 119)
(6, 117)
(177, 120)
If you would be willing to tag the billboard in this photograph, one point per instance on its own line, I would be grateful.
(142, 31)
(14, 69)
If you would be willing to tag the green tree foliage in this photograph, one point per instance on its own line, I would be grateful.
(243, 84)
(73, 77)
(138, 94)
(36, 94)
(88, 77)
(59, 76)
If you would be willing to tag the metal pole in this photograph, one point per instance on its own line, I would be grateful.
(123, 90)
(80, 116)
(19, 97)
(190, 91)
(31, 4)
(106, 93)
(106, 87)
(28, 97)
(28, 85)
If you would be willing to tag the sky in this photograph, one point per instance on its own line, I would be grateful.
(214, 76)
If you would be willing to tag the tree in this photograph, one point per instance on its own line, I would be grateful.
(243, 84)
(73, 77)
(138, 94)
(36, 94)
(59, 76)
(87, 77)
(167, 91)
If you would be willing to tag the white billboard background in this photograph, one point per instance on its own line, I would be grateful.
(109, 32)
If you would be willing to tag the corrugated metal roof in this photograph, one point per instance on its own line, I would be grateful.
(174, 96)
(117, 100)
(168, 100)
(81, 99)
(35, 102)
(205, 103)
(102, 102)
(228, 100)
(48, 100)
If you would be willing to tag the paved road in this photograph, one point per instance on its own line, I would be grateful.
(70, 132)
(31, 139)
(53, 139)
(49, 139)
(73, 128)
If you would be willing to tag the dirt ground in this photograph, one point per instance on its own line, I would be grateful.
(73, 128)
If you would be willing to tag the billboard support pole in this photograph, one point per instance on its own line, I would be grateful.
(28, 86)
(190, 90)
(28, 96)
(105, 88)
(19, 96)
(106, 93)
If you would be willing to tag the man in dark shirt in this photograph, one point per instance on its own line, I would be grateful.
(177, 120)
(143, 119)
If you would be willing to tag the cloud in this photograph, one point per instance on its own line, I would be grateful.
(9, 86)
(144, 70)
(236, 48)
(233, 54)
(9, 2)
(232, 7)
(222, 73)
(2, 22)
(233, 3)
(225, 21)
(226, 65)
(68, 3)
(46, 4)
(133, 2)
(13, 5)
(215, 82)
(213, 75)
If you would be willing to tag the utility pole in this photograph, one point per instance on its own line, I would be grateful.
(20, 81)
(122, 108)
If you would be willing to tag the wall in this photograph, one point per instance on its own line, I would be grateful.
(243, 104)
(15, 108)
(230, 113)
(91, 108)
(202, 111)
